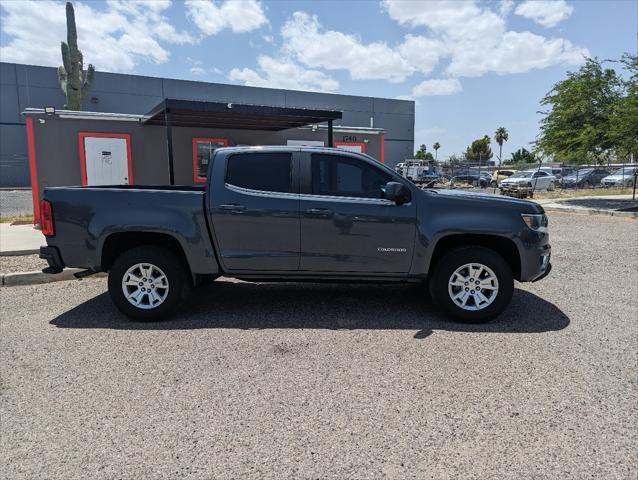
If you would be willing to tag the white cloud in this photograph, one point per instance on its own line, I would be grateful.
(476, 39)
(113, 39)
(505, 7)
(308, 43)
(198, 70)
(436, 87)
(548, 13)
(239, 16)
(285, 74)
(421, 53)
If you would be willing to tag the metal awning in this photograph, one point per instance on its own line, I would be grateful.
(191, 113)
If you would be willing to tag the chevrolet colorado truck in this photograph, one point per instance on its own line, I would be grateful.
(296, 214)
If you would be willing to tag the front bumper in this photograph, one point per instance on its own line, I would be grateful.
(545, 273)
(53, 258)
(516, 190)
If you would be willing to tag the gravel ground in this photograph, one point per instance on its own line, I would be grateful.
(21, 263)
(332, 381)
(15, 202)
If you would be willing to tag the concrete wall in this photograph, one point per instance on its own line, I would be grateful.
(57, 150)
(25, 86)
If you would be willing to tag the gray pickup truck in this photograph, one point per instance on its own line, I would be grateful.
(296, 214)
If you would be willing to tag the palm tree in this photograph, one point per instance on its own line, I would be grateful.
(500, 136)
(436, 147)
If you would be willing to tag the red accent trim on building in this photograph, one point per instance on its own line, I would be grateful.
(129, 158)
(33, 170)
(351, 144)
(382, 147)
(196, 177)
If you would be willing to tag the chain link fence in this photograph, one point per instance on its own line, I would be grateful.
(527, 180)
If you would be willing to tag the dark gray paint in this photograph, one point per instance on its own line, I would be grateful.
(259, 234)
(29, 86)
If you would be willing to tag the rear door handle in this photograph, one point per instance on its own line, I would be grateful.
(320, 212)
(233, 207)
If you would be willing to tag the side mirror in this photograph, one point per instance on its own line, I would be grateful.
(397, 193)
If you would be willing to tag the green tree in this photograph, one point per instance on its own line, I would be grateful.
(623, 121)
(73, 82)
(479, 150)
(422, 154)
(500, 136)
(575, 128)
(521, 156)
(436, 147)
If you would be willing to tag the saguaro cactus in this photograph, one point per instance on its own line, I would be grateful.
(74, 83)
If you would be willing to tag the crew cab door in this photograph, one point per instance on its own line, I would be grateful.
(254, 210)
(346, 224)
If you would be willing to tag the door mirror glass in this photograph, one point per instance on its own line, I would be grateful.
(397, 193)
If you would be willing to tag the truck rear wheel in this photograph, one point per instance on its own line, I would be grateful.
(473, 284)
(147, 283)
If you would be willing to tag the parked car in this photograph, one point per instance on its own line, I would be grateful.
(584, 178)
(499, 175)
(534, 179)
(296, 213)
(471, 178)
(623, 177)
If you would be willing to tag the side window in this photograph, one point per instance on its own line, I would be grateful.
(203, 149)
(540, 174)
(269, 172)
(346, 177)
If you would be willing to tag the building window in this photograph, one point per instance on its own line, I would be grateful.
(203, 149)
(270, 172)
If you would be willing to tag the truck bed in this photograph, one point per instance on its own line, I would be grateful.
(86, 218)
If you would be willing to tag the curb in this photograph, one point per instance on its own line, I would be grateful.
(589, 211)
(15, 253)
(35, 278)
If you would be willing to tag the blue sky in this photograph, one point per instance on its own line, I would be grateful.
(470, 66)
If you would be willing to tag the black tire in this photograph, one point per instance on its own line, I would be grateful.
(170, 264)
(458, 257)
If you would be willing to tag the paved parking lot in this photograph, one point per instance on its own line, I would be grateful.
(332, 381)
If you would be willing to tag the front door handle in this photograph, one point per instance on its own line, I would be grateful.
(319, 212)
(233, 207)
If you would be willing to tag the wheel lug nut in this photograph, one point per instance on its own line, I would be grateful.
(466, 289)
(141, 284)
(472, 291)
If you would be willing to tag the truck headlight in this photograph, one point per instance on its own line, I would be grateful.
(536, 222)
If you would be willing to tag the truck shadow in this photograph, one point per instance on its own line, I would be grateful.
(318, 306)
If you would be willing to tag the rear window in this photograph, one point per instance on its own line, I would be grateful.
(269, 172)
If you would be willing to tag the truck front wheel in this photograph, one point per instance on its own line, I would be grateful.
(147, 283)
(473, 284)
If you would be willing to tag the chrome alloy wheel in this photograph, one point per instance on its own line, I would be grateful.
(473, 286)
(145, 286)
